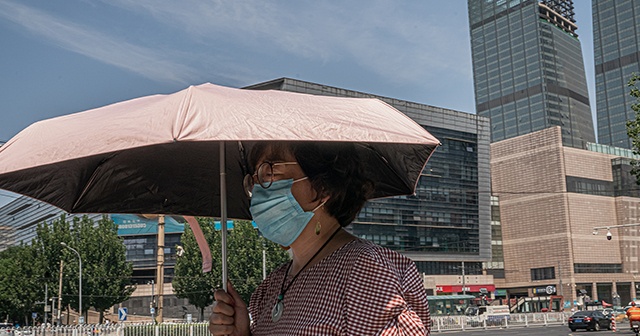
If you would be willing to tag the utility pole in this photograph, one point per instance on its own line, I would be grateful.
(464, 285)
(153, 302)
(160, 268)
(60, 293)
(46, 303)
(264, 264)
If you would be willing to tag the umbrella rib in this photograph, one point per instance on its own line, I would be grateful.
(86, 187)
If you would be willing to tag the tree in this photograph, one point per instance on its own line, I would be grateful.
(106, 276)
(20, 282)
(109, 273)
(48, 238)
(245, 247)
(189, 282)
(633, 126)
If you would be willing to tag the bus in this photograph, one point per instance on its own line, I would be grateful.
(443, 305)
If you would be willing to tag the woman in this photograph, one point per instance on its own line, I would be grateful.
(302, 195)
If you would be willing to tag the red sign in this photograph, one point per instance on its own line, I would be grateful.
(469, 288)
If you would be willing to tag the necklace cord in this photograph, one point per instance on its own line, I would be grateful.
(284, 290)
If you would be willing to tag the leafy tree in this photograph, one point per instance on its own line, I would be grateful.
(633, 126)
(108, 272)
(105, 273)
(48, 239)
(244, 247)
(20, 283)
(189, 281)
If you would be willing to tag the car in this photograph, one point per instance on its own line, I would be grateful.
(6, 329)
(589, 320)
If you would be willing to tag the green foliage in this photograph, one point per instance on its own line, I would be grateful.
(109, 280)
(25, 270)
(245, 247)
(20, 283)
(189, 281)
(244, 253)
(633, 126)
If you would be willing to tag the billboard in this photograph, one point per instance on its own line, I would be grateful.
(146, 224)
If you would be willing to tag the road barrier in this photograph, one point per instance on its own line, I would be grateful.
(451, 323)
(149, 329)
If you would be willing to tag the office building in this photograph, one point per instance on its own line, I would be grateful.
(551, 198)
(447, 221)
(616, 47)
(528, 69)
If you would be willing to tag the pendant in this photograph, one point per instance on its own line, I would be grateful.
(276, 312)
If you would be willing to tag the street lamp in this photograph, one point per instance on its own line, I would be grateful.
(80, 317)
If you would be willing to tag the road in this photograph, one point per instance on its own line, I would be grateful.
(535, 331)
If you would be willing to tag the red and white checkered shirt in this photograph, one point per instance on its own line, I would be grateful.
(360, 289)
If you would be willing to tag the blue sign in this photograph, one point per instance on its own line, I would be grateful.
(122, 314)
(34, 315)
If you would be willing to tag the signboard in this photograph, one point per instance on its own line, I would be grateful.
(47, 308)
(34, 315)
(153, 310)
(122, 314)
(468, 288)
(81, 320)
(189, 318)
(545, 290)
(146, 224)
(500, 292)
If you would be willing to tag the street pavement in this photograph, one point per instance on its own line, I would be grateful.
(535, 331)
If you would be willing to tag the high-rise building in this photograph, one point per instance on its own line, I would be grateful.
(528, 69)
(616, 47)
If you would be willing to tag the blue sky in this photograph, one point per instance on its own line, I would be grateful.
(60, 57)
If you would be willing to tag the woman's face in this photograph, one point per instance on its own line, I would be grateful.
(301, 190)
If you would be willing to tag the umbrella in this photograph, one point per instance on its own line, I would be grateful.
(180, 153)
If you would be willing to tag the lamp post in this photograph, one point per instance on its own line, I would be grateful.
(80, 317)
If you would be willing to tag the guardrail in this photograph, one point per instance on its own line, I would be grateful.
(439, 324)
(147, 329)
(451, 323)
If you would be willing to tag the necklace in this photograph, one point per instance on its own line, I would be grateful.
(278, 308)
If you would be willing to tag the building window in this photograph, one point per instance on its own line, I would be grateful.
(544, 273)
(589, 186)
(597, 268)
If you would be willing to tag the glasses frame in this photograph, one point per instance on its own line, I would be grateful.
(251, 179)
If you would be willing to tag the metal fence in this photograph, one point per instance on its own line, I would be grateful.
(451, 323)
(165, 329)
(440, 324)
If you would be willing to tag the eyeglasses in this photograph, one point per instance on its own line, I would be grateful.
(264, 175)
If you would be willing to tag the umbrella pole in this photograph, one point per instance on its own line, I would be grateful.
(223, 213)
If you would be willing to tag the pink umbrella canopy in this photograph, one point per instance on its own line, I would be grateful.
(160, 154)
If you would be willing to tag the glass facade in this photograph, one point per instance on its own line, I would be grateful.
(443, 215)
(616, 43)
(528, 69)
(448, 219)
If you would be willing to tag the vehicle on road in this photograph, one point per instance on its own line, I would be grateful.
(589, 320)
(491, 315)
(6, 329)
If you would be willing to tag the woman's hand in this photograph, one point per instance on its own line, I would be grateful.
(229, 315)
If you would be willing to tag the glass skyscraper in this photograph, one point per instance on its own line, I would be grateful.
(616, 44)
(528, 69)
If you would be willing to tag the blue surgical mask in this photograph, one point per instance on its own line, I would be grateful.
(278, 215)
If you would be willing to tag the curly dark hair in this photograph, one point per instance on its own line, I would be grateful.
(334, 170)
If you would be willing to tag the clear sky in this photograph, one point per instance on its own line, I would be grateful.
(60, 57)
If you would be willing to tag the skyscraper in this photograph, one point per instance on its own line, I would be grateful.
(616, 44)
(528, 69)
